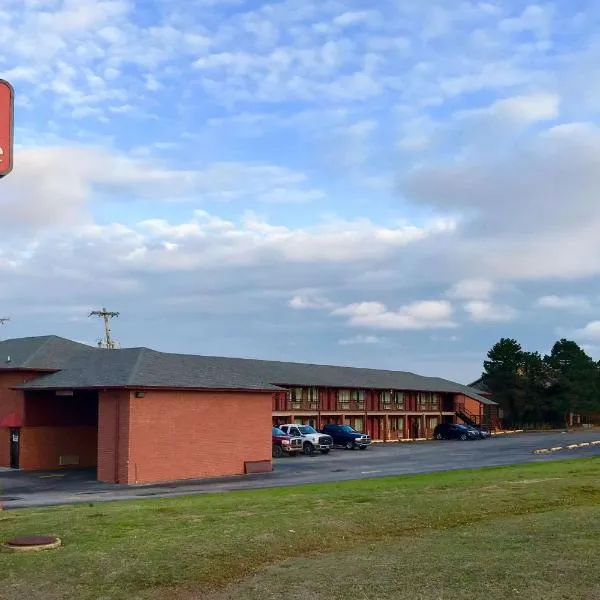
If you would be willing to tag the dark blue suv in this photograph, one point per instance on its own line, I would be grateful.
(346, 436)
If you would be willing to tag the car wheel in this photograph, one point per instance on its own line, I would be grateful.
(463, 437)
(349, 445)
(326, 451)
(439, 436)
(308, 449)
(277, 451)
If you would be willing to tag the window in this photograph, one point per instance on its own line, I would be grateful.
(397, 425)
(399, 400)
(423, 399)
(313, 394)
(343, 395)
(358, 395)
(385, 397)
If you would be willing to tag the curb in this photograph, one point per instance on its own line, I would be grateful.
(569, 447)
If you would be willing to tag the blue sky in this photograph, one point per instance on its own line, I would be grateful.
(391, 184)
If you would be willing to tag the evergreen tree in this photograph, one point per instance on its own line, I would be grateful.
(501, 372)
(574, 377)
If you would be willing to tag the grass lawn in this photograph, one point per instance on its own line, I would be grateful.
(514, 532)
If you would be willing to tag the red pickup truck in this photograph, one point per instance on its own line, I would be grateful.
(285, 444)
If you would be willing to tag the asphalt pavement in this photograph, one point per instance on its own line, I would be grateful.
(21, 489)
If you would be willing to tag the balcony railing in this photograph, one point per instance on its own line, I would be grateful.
(429, 407)
(392, 406)
(303, 405)
(351, 405)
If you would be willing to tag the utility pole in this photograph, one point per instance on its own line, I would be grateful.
(106, 315)
(3, 321)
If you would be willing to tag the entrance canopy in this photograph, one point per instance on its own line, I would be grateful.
(11, 420)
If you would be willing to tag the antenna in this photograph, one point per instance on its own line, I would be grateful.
(107, 315)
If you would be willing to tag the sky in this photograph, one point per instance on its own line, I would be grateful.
(391, 184)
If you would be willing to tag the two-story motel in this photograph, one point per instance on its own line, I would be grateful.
(140, 416)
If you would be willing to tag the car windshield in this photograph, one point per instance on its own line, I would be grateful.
(462, 427)
(347, 429)
(306, 429)
(277, 431)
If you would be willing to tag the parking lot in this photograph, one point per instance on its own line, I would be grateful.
(40, 489)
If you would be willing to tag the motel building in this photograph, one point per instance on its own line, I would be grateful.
(141, 416)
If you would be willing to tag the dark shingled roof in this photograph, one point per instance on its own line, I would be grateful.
(88, 367)
(44, 353)
(141, 367)
(480, 386)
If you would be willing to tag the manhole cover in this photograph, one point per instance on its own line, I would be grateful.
(33, 542)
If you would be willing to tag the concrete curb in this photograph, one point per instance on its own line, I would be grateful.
(569, 447)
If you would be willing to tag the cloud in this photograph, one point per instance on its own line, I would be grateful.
(590, 332)
(308, 301)
(563, 302)
(426, 314)
(472, 289)
(359, 340)
(482, 311)
(517, 111)
(55, 184)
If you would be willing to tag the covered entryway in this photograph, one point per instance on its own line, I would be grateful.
(59, 430)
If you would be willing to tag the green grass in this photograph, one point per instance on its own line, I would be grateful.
(512, 532)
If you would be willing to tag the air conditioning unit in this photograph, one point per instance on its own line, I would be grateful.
(67, 460)
(296, 406)
(345, 406)
(314, 406)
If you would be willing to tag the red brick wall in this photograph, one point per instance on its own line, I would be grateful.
(41, 447)
(4, 447)
(183, 435)
(10, 401)
(113, 436)
(472, 406)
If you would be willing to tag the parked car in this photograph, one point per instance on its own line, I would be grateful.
(481, 432)
(311, 439)
(285, 444)
(453, 431)
(346, 436)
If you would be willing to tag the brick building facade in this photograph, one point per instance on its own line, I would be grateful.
(141, 416)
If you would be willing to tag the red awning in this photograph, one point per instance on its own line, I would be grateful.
(11, 420)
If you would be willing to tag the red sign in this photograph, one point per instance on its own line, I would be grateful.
(7, 100)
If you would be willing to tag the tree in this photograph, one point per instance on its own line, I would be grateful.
(501, 374)
(535, 382)
(574, 380)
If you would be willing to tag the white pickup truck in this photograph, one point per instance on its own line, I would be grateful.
(311, 439)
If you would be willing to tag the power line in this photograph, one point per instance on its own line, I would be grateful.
(106, 315)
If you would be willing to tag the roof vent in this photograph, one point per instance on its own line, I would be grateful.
(8, 359)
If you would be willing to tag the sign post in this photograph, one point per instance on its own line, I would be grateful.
(7, 107)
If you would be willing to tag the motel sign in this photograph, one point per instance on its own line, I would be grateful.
(7, 98)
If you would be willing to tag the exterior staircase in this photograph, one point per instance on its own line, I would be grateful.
(492, 422)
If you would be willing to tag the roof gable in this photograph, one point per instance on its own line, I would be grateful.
(44, 353)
